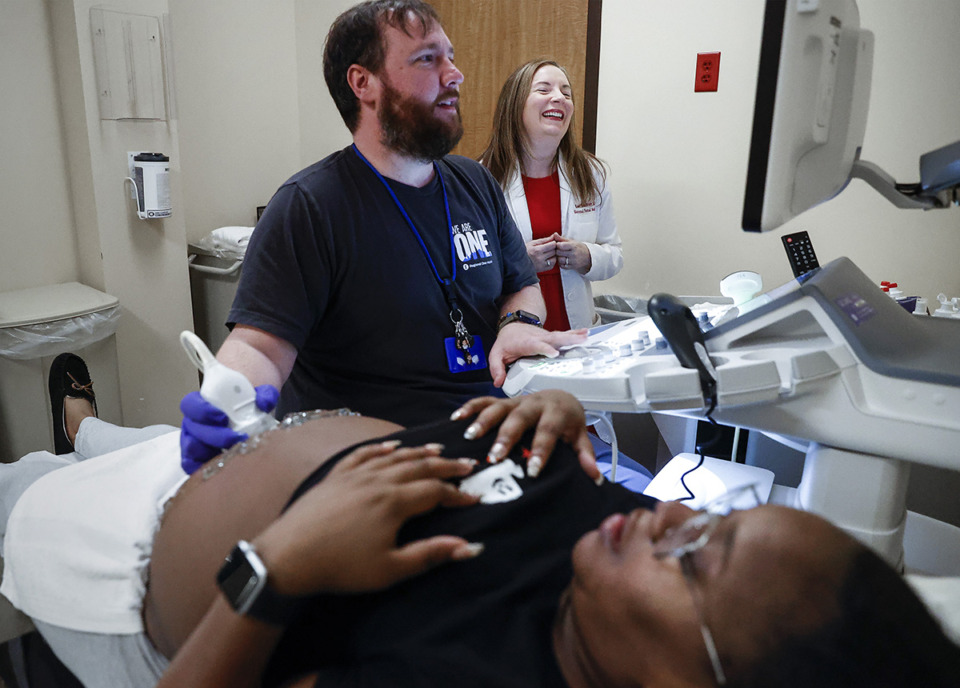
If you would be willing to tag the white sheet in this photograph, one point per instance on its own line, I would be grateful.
(79, 539)
(941, 594)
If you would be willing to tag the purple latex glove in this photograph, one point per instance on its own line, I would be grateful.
(206, 431)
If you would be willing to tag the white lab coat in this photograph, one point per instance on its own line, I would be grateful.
(594, 225)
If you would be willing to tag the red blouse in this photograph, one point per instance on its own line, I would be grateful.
(543, 203)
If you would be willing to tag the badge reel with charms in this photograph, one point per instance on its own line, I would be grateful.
(464, 351)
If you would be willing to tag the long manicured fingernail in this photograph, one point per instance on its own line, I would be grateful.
(390, 444)
(457, 415)
(471, 432)
(496, 452)
(599, 480)
(467, 551)
(469, 463)
(434, 446)
(534, 466)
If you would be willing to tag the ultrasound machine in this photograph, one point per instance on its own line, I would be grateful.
(828, 362)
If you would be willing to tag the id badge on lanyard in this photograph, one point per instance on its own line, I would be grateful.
(460, 361)
(464, 351)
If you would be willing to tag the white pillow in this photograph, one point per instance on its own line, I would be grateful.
(941, 594)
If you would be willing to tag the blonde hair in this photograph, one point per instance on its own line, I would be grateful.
(504, 153)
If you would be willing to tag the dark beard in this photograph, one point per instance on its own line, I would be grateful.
(411, 128)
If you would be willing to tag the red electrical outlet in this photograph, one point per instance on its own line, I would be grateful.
(708, 72)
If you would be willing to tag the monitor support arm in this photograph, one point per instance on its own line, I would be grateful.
(939, 185)
(873, 175)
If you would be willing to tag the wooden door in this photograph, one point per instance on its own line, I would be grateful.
(491, 38)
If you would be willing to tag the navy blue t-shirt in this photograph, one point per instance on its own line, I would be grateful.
(334, 269)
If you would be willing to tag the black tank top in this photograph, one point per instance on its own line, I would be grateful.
(484, 622)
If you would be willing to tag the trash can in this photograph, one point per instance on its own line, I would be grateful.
(36, 325)
(216, 262)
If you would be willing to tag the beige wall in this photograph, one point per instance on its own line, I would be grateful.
(322, 131)
(67, 213)
(679, 158)
(236, 82)
(36, 223)
(252, 103)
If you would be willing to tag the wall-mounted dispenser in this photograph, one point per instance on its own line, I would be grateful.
(150, 177)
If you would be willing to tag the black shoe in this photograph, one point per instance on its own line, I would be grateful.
(68, 378)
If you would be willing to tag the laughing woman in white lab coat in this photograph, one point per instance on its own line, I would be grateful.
(557, 192)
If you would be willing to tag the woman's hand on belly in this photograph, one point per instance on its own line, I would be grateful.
(556, 416)
(341, 536)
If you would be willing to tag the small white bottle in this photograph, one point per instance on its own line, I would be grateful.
(946, 309)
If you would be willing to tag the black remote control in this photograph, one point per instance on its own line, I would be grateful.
(800, 253)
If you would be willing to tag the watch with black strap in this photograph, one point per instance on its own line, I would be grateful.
(518, 316)
(243, 580)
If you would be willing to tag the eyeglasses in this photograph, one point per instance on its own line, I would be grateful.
(692, 535)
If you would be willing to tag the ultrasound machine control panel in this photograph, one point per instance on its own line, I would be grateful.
(827, 357)
(610, 371)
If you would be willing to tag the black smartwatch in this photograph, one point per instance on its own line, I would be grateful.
(243, 581)
(518, 316)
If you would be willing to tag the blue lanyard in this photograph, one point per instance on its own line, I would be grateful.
(446, 283)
